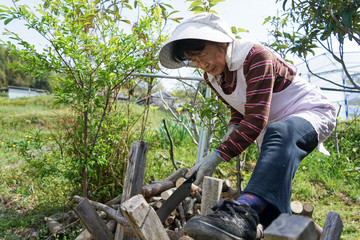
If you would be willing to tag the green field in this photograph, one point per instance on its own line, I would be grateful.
(34, 187)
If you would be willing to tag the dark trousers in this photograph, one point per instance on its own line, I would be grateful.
(285, 144)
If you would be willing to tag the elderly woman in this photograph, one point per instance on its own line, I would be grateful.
(269, 103)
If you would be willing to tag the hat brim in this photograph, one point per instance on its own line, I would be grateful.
(190, 30)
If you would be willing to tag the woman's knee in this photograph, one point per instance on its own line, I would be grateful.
(277, 131)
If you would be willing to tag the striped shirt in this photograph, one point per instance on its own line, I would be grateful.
(264, 73)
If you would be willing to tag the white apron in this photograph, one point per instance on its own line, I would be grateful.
(299, 99)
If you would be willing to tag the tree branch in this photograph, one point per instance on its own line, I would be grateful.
(171, 151)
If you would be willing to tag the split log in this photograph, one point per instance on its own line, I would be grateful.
(134, 178)
(92, 221)
(333, 227)
(211, 194)
(291, 227)
(156, 188)
(181, 172)
(143, 219)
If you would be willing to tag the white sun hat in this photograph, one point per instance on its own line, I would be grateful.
(205, 26)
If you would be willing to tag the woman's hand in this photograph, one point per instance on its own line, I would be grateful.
(206, 166)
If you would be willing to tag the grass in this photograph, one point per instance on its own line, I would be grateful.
(328, 183)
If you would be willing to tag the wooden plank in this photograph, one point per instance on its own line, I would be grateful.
(333, 227)
(135, 170)
(143, 219)
(291, 227)
(92, 221)
(211, 193)
(134, 179)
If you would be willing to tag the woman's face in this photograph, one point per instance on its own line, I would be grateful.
(211, 59)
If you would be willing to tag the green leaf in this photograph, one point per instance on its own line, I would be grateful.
(126, 21)
(242, 30)
(7, 21)
(347, 18)
(267, 19)
(282, 46)
(195, 3)
(197, 9)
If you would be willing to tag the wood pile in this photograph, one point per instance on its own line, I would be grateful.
(156, 193)
(133, 214)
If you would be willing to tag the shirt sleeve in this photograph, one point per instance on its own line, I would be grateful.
(259, 72)
(236, 117)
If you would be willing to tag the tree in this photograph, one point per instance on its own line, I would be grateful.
(316, 24)
(94, 49)
(10, 75)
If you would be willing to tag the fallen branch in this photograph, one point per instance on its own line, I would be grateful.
(171, 151)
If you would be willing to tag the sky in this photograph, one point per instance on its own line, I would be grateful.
(239, 13)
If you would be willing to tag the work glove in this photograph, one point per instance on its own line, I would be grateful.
(231, 128)
(205, 167)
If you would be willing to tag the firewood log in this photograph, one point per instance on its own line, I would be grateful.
(181, 172)
(296, 207)
(169, 220)
(177, 224)
(121, 220)
(154, 199)
(114, 201)
(166, 194)
(189, 207)
(193, 186)
(159, 203)
(182, 214)
(196, 195)
(156, 188)
(299, 209)
(308, 210)
(226, 185)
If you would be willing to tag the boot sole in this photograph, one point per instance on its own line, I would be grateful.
(203, 230)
